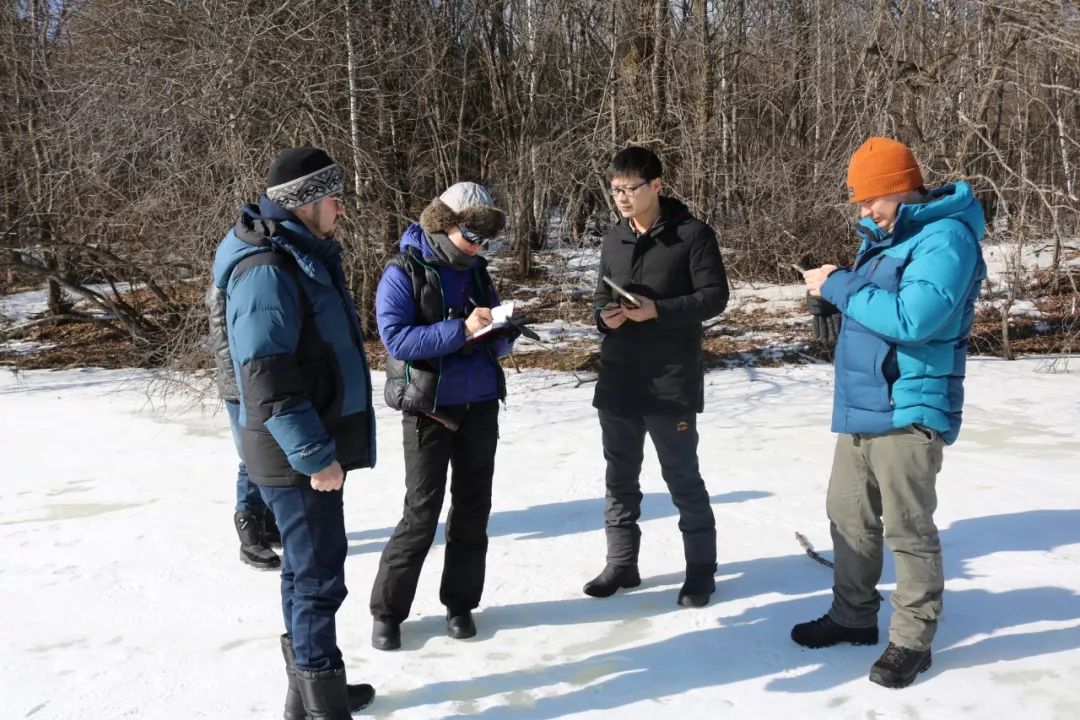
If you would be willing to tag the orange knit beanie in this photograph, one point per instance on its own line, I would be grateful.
(880, 167)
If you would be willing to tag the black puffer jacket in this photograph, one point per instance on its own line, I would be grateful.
(655, 367)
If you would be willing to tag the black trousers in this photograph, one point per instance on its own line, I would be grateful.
(675, 438)
(429, 448)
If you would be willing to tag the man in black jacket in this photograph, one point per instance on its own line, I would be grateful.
(651, 368)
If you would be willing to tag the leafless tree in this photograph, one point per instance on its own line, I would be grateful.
(131, 132)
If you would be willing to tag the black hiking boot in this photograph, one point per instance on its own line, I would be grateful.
(700, 584)
(823, 632)
(611, 579)
(385, 634)
(460, 625)
(253, 550)
(898, 666)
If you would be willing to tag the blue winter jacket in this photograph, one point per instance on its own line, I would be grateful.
(908, 305)
(464, 374)
(297, 349)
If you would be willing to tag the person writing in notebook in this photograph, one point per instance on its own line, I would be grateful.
(650, 377)
(442, 371)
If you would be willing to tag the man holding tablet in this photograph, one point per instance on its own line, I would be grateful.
(661, 276)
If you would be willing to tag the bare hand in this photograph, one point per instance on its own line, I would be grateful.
(478, 320)
(329, 478)
(612, 317)
(816, 278)
(647, 311)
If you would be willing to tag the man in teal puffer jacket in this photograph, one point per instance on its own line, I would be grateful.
(293, 353)
(908, 306)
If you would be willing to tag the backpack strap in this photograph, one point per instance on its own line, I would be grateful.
(273, 255)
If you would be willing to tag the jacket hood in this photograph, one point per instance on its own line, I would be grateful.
(954, 201)
(415, 237)
(672, 210)
(267, 223)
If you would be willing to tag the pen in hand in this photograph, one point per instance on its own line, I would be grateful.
(476, 321)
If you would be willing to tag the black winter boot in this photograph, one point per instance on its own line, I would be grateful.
(898, 666)
(270, 534)
(360, 696)
(294, 705)
(253, 550)
(700, 584)
(327, 696)
(611, 579)
(460, 625)
(823, 632)
(385, 634)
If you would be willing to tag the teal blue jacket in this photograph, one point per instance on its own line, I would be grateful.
(908, 304)
(296, 347)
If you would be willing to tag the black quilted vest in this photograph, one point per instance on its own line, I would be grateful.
(413, 385)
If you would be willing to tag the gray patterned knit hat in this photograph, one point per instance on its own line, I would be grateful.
(302, 175)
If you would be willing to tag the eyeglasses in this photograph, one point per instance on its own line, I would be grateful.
(627, 190)
(472, 237)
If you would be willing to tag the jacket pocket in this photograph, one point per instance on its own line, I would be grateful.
(890, 372)
(266, 462)
(668, 384)
(928, 434)
(861, 364)
(881, 383)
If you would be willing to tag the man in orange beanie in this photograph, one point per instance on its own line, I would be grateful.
(907, 304)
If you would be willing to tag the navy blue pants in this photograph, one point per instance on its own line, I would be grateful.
(248, 498)
(313, 546)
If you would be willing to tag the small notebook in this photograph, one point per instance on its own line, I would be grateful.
(623, 294)
(500, 316)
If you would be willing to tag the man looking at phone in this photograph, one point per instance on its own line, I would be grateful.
(651, 368)
(908, 303)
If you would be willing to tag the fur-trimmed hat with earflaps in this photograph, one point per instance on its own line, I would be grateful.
(464, 204)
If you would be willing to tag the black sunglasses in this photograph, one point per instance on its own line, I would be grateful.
(472, 237)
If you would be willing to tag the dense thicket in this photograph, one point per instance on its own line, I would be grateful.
(131, 131)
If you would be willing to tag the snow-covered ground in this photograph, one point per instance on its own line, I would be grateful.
(123, 596)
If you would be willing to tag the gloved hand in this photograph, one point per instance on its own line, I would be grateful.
(826, 317)
(518, 326)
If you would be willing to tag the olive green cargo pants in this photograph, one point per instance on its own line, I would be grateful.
(884, 486)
